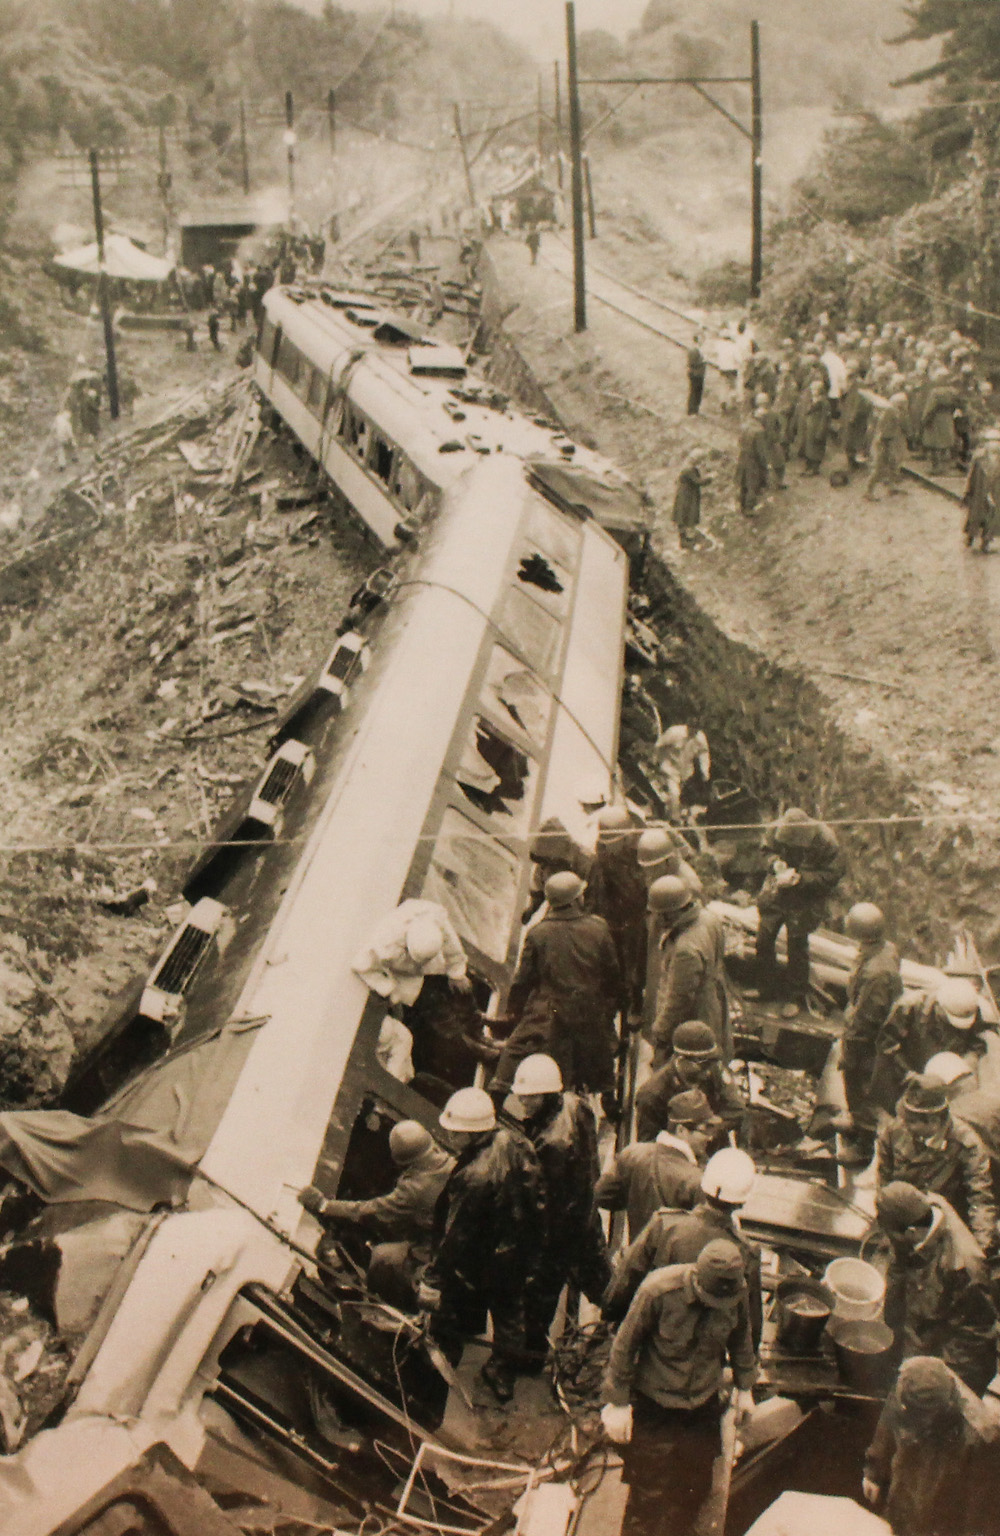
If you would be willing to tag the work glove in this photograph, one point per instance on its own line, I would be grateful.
(617, 1423)
(428, 1297)
(871, 1490)
(313, 1200)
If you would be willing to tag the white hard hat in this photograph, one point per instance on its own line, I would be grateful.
(538, 1074)
(959, 1000)
(470, 1109)
(424, 939)
(949, 1067)
(729, 1176)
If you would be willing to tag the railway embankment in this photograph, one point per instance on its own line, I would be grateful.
(913, 840)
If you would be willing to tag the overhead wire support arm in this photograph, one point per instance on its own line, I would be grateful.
(707, 96)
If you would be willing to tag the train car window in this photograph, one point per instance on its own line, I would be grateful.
(515, 697)
(289, 360)
(446, 1030)
(476, 879)
(268, 341)
(553, 534)
(549, 584)
(380, 457)
(534, 632)
(355, 430)
(408, 485)
(317, 393)
(497, 778)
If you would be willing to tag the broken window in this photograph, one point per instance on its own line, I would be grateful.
(548, 583)
(408, 484)
(289, 360)
(355, 430)
(268, 339)
(554, 533)
(495, 777)
(512, 694)
(381, 458)
(475, 878)
(317, 392)
(532, 631)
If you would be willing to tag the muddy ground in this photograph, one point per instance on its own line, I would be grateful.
(819, 585)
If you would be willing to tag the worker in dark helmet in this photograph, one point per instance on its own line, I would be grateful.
(931, 1468)
(551, 851)
(489, 1225)
(617, 892)
(873, 988)
(678, 1237)
(397, 1224)
(664, 1383)
(947, 1018)
(695, 1062)
(806, 866)
(926, 1146)
(938, 1297)
(565, 995)
(692, 976)
(665, 1171)
(563, 1132)
(659, 852)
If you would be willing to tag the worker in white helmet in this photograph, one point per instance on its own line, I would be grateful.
(949, 1017)
(418, 939)
(489, 1226)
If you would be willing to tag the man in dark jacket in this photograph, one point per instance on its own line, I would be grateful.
(678, 1237)
(931, 1468)
(617, 892)
(982, 492)
(687, 501)
(566, 993)
(563, 1132)
(814, 426)
(692, 973)
(489, 1225)
(855, 420)
(695, 1062)
(927, 1147)
(938, 1297)
(664, 1381)
(949, 1018)
(665, 1171)
(806, 868)
(753, 467)
(696, 367)
(398, 1224)
(873, 987)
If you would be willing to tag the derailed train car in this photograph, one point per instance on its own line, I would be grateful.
(478, 695)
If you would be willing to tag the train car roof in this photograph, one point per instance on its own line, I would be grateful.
(443, 422)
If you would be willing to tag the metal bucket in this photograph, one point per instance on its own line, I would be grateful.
(864, 1354)
(858, 1289)
(804, 1309)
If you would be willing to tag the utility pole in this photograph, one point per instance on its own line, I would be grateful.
(244, 153)
(164, 181)
(456, 109)
(590, 197)
(290, 146)
(331, 116)
(103, 296)
(541, 131)
(757, 168)
(558, 113)
(576, 155)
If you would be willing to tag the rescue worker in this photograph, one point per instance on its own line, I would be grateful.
(565, 994)
(855, 420)
(948, 1018)
(683, 758)
(770, 420)
(927, 1147)
(664, 1383)
(814, 426)
(806, 868)
(563, 1132)
(397, 1224)
(552, 850)
(888, 445)
(418, 939)
(663, 1172)
(692, 976)
(488, 1228)
(873, 987)
(931, 1467)
(938, 426)
(696, 369)
(678, 1237)
(617, 892)
(753, 467)
(687, 501)
(533, 240)
(938, 1298)
(982, 493)
(658, 853)
(695, 1062)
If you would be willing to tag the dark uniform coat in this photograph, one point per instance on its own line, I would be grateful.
(938, 1300)
(814, 429)
(617, 892)
(406, 1213)
(955, 1165)
(692, 979)
(982, 495)
(938, 426)
(711, 1075)
(873, 988)
(752, 465)
(646, 1176)
(687, 499)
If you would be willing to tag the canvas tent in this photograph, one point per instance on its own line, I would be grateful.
(122, 259)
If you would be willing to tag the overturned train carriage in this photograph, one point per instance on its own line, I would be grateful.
(488, 700)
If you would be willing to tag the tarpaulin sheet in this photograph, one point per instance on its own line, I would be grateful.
(142, 1149)
(614, 504)
(122, 258)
